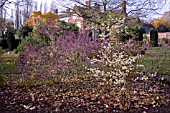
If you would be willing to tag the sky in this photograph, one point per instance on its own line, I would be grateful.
(59, 6)
(165, 8)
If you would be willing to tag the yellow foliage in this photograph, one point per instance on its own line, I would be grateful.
(37, 17)
(159, 21)
(36, 13)
(50, 16)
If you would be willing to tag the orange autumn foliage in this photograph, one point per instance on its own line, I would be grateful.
(159, 21)
(38, 17)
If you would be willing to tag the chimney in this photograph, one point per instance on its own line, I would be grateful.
(68, 10)
(123, 11)
(56, 11)
(76, 9)
(88, 3)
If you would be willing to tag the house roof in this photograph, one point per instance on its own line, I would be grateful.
(147, 27)
(64, 15)
(86, 11)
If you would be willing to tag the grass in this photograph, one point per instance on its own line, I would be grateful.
(7, 64)
(157, 59)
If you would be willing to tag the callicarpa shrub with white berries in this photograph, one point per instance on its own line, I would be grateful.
(114, 64)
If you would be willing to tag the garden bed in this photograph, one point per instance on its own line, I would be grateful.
(144, 95)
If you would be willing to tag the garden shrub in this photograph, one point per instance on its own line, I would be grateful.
(134, 48)
(19, 48)
(10, 40)
(2, 79)
(46, 32)
(0, 51)
(142, 29)
(125, 38)
(132, 32)
(68, 58)
(113, 65)
(24, 31)
(140, 35)
(3, 43)
(24, 41)
(68, 27)
(154, 37)
(75, 56)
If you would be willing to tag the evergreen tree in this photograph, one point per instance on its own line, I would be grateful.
(10, 40)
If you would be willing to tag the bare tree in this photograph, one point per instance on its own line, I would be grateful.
(100, 14)
(45, 7)
(134, 7)
(41, 5)
(7, 2)
(28, 8)
(17, 14)
(35, 6)
(1, 9)
(12, 14)
(3, 2)
(52, 6)
(166, 16)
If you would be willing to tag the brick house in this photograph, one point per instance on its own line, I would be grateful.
(79, 21)
(79, 13)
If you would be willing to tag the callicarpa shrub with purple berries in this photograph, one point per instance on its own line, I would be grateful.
(67, 58)
(46, 32)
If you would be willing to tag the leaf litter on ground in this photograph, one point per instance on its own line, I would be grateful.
(141, 95)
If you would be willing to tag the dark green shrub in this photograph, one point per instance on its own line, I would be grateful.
(66, 27)
(153, 37)
(163, 28)
(139, 36)
(2, 79)
(24, 31)
(135, 32)
(3, 43)
(17, 42)
(29, 40)
(24, 41)
(125, 38)
(0, 51)
(10, 40)
(142, 30)
(19, 48)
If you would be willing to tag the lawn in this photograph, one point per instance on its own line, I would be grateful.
(8, 63)
(157, 59)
